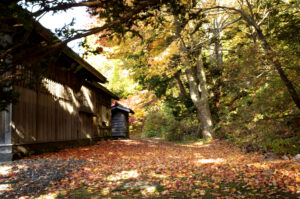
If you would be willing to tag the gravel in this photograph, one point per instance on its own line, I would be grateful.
(31, 177)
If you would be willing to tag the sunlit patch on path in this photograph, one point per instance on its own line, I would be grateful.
(140, 168)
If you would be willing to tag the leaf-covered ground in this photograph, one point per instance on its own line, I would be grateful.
(141, 169)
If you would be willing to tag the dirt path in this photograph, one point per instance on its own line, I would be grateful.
(141, 169)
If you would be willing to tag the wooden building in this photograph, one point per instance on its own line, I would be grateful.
(119, 120)
(70, 108)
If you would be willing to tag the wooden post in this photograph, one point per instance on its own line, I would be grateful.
(5, 135)
(6, 116)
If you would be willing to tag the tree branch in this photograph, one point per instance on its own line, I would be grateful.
(199, 45)
(122, 20)
(250, 8)
(65, 6)
(180, 84)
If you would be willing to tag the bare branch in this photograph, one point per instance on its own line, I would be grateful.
(243, 14)
(65, 6)
(234, 21)
(250, 8)
(132, 15)
(12, 76)
(199, 45)
(264, 17)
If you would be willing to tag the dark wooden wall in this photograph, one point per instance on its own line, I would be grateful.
(119, 124)
(64, 108)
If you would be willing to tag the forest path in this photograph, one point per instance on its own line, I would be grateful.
(150, 168)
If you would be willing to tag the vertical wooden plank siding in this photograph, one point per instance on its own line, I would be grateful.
(59, 119)
(58, 113)
(40, 116)
(24, 117)
(52, 122)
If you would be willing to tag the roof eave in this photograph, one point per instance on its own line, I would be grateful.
(105, 90)
(49, 36)
(86, 65)
(128, 110)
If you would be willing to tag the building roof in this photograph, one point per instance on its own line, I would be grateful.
(102, 88)
(50, 37)
(98, 77)
(118, 106)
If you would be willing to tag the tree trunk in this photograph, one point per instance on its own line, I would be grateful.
(272, 58)
(218, 54)
(180, 84)
(199, 96)
(218, 57)
(198, 88)
(206, 119)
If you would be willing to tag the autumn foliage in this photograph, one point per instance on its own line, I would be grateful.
(155, 169)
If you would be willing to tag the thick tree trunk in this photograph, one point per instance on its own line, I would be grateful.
(206, 119)
(198, 89)
(199, 96)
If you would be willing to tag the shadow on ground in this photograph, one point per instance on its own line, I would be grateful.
(31, 177)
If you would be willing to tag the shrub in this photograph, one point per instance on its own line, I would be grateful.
(153, 125)
(173, 130)
(159, 124)
(150, 134)
(281, 145)
(264, 136)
